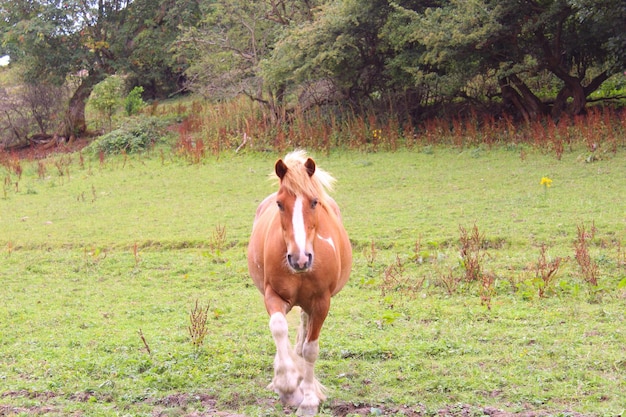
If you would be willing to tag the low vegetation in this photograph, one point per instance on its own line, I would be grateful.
(211, 129)
(134, 135)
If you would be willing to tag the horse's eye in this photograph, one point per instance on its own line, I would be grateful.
(280, 206)
(314, 203)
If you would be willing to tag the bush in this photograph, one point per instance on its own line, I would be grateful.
(136, 135)
(106, 97)
(133, 102)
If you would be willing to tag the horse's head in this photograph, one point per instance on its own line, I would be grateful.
(298, 214)
(297, 200)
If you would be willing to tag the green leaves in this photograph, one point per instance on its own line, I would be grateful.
(135, 136)
(133, 101)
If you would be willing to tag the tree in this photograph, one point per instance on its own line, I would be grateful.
(225, 50)
(28, 111)
(579, 43)
(145, 56)
(341, 44)
(52, 40)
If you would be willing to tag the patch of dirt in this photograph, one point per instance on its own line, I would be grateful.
(341, 409)
(204, 405)
(34, 152)
(164, 406)
(9, 410)
(6, 410)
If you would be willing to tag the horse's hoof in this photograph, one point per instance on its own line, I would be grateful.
(307, 410)
(292, 399)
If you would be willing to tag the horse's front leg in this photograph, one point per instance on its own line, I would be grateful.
(302, 331)
(312, 389)
(287, 373)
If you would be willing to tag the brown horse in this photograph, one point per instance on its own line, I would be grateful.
(299, 255)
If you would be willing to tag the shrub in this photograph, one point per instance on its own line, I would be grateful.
(136, 135)
(107, 96)
(588, 267)
(133, 102)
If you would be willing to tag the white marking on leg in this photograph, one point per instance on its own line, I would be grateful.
(286, 373)
(311, 388)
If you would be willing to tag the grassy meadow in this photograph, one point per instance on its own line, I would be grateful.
(102, 262)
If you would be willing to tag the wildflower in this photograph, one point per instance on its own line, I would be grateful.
(546, 182)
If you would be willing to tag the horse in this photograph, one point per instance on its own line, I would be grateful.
(299, 254)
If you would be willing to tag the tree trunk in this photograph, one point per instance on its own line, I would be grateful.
(535, 107)
(574, 89)
(512, 98)
(74, 123)
(515, 92)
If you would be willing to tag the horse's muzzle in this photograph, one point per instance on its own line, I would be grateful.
(300, 262)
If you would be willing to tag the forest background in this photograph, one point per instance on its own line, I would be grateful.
(409, 61)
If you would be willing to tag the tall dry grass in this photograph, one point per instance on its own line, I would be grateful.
(239, 124)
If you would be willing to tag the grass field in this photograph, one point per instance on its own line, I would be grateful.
(103, 261)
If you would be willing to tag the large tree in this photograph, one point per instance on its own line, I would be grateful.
(579, 43)
(52, 39)
(340, 45)
(149, 30)
(541, 57)
(226, 49)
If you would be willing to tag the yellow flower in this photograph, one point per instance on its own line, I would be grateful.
(546, 182)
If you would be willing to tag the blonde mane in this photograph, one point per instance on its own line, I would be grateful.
(298, 181)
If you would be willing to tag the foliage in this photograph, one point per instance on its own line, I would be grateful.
(546, 272)
(150, 59)
(225, 49)
(96, 38)
(106, 97)
(341, 43)
(588, 267)
(133, 103)
(28, 110)
(471, 246)
(405, 59)
(197, 328)
(52, 42)
(538, 60)
(135, 135)
(615, 87)
(211, 129)
(508, 40)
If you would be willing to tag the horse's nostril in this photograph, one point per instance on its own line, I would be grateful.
(300, 262)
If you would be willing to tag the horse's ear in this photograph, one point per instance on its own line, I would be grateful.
(280, 168)
(310, 167)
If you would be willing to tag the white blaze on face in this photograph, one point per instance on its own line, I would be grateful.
(299, 231)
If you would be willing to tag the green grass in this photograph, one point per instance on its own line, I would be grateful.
(89, 260)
